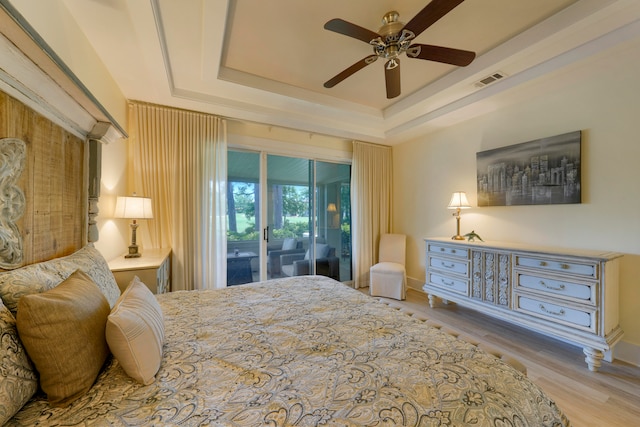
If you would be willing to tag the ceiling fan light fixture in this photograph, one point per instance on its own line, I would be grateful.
(394, 38)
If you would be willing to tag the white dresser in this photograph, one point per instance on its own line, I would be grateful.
(568, 294)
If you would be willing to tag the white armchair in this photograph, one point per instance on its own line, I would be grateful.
(388, 278)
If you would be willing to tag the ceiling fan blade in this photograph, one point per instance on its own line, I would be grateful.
(351, 70)
(352, 30)
(447, 55)
(392, 77)
(430, 14)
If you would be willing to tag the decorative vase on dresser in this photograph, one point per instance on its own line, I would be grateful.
(568, 294)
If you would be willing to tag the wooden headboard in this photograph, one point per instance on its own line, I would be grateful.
(55, 126)
(54, 222)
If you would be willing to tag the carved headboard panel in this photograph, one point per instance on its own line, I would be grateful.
(53, 181)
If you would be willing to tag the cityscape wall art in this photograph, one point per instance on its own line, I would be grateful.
(541, 172)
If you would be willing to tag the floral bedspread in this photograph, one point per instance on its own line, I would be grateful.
(305, 351)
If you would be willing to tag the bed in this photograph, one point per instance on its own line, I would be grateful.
(302, 351)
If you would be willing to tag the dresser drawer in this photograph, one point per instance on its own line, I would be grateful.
(557, 312)
(434, 248)
(565, 267)
(584, 292)
(449, 265)
(460, 286)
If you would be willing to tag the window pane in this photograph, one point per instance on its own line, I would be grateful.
(243, 209)
(334, 218)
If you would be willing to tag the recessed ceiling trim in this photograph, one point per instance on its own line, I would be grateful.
(516, 50)
(366, 129)
(199, 81)
(278, 88)
(162, 39)
(600, 44)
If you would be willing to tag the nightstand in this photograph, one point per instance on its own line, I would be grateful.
(153, 268)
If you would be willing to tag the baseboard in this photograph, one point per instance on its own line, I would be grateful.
(623, 351)
(415, 284)
(627, 352)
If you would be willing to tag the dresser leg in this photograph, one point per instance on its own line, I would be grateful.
(433, 300)
(593, 358)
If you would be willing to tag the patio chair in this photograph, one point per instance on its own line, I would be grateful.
(327, 264)
(289, 246)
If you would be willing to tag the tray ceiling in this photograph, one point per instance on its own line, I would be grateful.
(266, 61)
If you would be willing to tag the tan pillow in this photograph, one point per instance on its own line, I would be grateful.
(135, 332)
(63, 331)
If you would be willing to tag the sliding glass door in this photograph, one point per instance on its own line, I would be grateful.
(290, 219)
(333, 219)
(243, 217)
(297, 222)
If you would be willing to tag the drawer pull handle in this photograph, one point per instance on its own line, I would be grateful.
(442, 249)
(565, 266)
(559, 288)
(543, 263)
(444, 282)
(447, 265)
(453, 251)
(555, 313)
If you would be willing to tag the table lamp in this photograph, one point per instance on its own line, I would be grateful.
(458, 201)
(132, 207)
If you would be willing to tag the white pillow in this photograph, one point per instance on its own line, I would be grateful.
(289, 243)
(135, 332)
(322, 250)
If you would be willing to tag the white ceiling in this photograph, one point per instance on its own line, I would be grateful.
(266, 61)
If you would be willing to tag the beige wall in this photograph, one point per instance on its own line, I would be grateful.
(599, 97)
(115, 234)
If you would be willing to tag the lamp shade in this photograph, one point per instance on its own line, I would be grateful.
(332, 208)
(459, 200)
(133, 208)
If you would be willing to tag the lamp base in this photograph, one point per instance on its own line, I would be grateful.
(133, 247)
(457, 236)
(133, 252)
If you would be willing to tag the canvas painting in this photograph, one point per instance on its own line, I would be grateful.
(540, 172)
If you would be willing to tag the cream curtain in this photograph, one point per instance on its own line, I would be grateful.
(179, 161)
(371, 187)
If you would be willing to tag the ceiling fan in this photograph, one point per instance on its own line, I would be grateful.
(395, 38)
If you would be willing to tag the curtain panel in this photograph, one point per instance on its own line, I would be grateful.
(371, 203)
(179, 161)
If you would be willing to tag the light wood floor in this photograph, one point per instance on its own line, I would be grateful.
(607, 398)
